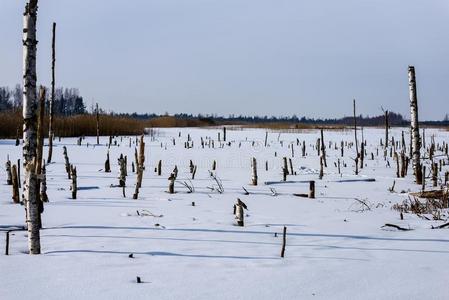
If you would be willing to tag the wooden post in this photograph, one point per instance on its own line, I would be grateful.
(224, 134)
(239, 213)
(266, 138)
(312, 189)
(338, 164)
(98, 124)
(52, 99)
(214, 165)
(171, 183)
(321, 168)
(303, 148)
(254, 167)
(386, 129)
(40, 145)
(107, 164)
(15, 185)
(43, 187)
(67, 162)
(122, 177)
(29, 125)
(18, 173)
(323, 149)
(290, 162)
(8, 172)
(7, 243)
(284, 169)
(435, 174)
(74, 186)
(423, 179)
(284, 240)
(194, 172)
(356, 142)
(362, 154)
(159, 168)
(416, 143)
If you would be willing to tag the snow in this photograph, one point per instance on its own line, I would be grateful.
(334, 250)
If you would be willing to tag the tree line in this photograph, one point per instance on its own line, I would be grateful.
(68, 101)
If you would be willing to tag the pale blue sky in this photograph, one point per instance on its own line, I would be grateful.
(277, 57)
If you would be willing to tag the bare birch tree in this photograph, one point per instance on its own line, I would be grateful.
(29, 125)
(416, 143)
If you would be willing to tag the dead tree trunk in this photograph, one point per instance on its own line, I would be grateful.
(284, 240)
(386, 129)
(15, 185)
(29, 125)
(43, 185)
(98, 124)
(122, 166)
(66, 160)
(240, 213)
(321, 168)
(40, 145)
(284, 169)
(323, 149)
(435, 174)
(8, 172)
(107, 164)
(171, 183)
(159, 168)
(312, 189)
(254, 167)
(416, 143)
(74, 186)
(356, 142)
(52, 100)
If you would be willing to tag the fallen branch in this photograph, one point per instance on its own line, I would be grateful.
(396, 226)
(441, 226)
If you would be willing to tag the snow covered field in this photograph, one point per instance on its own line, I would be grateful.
(335, 249)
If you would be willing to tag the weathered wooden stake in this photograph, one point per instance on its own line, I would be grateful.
(284, 240)
(254, 167)
(15, 185)
(74, 186)
(7, 243)
(312, 189)
(98, 124)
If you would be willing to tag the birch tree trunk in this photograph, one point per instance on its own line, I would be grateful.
(254, 167)
(416, 143)
(52, 100)
(29, 125)
(32, 207)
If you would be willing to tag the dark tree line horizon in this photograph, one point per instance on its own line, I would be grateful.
(69, 102)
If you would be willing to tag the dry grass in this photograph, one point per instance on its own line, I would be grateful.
(9, 123)
(86, 125)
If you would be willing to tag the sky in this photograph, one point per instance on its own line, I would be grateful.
(250, 57)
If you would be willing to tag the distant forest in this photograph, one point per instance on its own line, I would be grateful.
(69, 102)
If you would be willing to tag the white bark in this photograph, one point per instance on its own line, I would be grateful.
(32, 207)
(254, 167)
(29, 126)
(416, 143)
